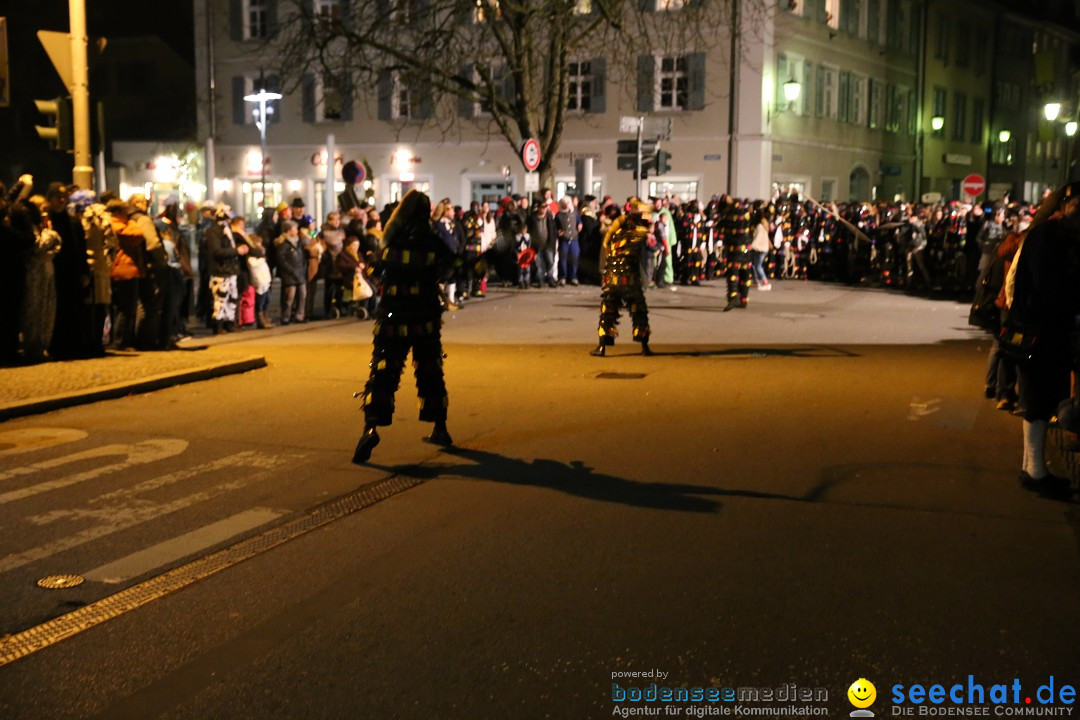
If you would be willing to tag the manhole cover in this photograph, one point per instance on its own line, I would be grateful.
(60, 582)
(619, 376)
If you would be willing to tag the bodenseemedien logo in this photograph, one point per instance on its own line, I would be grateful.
(862, 694)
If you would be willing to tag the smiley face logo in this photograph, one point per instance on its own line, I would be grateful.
(862, 693)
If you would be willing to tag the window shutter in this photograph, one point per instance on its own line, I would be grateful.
(307, 83)
(646, 79)
(822, 11)
(239, 85)
(804, 98)
(236, 19)
(781, 78)
(346, 96)
(273, 84)
(386, 90)
(695, 66)
(271, 18)
(819, 94)
(598, 97)
(383, 8)
(466, 106)
(844, 96)
(873, 20)
(427, 107)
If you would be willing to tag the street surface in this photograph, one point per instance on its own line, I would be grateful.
(809, 491)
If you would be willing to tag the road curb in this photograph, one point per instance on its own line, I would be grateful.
(35, 406)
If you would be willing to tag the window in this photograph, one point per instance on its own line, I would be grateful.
(828, 188)
(852, 98)
(581, 80)
(583, 7)
(498, 75)
(850, 17)
(1003, 153)
(795, 7)
(877, 100)
(913, 113)
(243, 111)
(977, 119)
(329, 98)
(826, 97)
(327, 9)
(662, 5)
(485, 9)
(672, 83)
(979, 62)
(403, 102)
(832, 13)
(960, 120)
(940, 100)
(963, 45)
(788, 68)
(941, 46)
(894, 108)
(873, 20)
(1007, 95)
(256, 19)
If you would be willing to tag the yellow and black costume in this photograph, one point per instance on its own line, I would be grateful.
(411, 262)
(623, 245)
(737, 239)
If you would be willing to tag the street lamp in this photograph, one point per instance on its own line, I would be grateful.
(792, 90)
(1070, 128)
(1004, 136)
(1052, 110)
(261, 113)
(936, 123)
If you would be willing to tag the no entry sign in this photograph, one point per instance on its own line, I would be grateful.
(530, 154)
(974, 184)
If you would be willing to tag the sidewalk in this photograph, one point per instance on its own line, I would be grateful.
(33, 389)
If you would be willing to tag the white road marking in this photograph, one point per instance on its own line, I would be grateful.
(187, 544)
(141, 453)
(135, 512)
(29, 439)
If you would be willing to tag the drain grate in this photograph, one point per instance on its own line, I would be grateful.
(60, 582)
(619, 376)
(42, 636)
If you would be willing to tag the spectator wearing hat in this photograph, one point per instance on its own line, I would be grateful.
(292, 269)
(542, 233)
(298, 214)
(224, 254)
(168, 227)
(154, 279)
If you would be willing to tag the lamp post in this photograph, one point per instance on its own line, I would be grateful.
(262, 97)
(1051, 111)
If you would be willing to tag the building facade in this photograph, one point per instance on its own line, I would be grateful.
(836, 99)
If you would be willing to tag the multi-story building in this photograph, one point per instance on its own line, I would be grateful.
(839, 99)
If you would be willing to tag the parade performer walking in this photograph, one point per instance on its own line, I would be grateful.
(412, 261)
(737, 238)
(622, 282)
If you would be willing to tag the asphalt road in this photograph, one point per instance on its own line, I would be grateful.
(809, 491)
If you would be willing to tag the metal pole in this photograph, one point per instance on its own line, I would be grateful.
(262, 154)
(83, 172)
(329, 201)
(211, 159)
(640, 180)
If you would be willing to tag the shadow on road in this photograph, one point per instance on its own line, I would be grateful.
(576, 478)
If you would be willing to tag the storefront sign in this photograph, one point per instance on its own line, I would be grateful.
(951, 159)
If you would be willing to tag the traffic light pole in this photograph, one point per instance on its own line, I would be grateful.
(83, 172)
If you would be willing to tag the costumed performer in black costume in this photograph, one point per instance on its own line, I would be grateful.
(626, 239)
(412, 261)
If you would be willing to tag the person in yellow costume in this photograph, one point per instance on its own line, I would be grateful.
(622, 283)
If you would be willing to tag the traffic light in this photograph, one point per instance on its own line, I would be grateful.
(627, 153)
(663, 162)
(58, 116)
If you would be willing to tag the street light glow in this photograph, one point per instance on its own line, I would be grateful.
(1004, 136)
(792, 90)
(1052, 110)
(937, 122)
(1070, 128)
(263, 96)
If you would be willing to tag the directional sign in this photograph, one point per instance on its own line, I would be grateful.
(629, 124)
(530, 154)
(58, 47)
(974, 184)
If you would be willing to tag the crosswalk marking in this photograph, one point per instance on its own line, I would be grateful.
(187, 544)
(141, 453)
(30, 439)
(133, 511)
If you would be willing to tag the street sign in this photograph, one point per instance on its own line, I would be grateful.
(657, 128)
(530, 154)
(532, 182)
(58, 47)
(629, 124)
(931, 197)
(974, 184)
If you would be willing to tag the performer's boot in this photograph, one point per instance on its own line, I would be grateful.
(367, 443)
(732, 304)
(599, 351)
(645, 349)
(440, 435)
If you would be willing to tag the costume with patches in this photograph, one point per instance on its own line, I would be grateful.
(624, 244)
